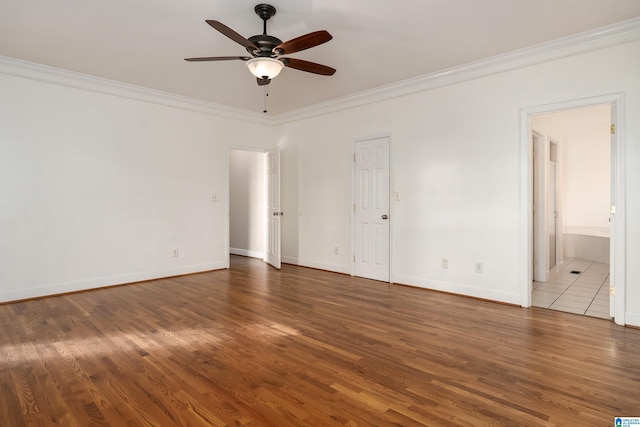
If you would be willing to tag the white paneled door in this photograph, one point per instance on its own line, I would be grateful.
(273, 212)
(371, 209)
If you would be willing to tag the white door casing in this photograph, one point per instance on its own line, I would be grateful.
(272, 211)
(371, 209)
(618, 221)
(612, 214)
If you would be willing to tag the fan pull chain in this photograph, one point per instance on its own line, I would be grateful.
(266, 93)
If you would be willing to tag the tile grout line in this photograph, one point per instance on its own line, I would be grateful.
(573, 283)
(596, 295)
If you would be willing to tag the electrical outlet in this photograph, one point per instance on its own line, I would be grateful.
(175, 252)
(479, 267)
(214, 198)
(445, 262)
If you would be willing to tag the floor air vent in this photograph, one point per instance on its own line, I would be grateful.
(576, 272)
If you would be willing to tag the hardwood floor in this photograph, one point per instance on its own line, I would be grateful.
(254, 346)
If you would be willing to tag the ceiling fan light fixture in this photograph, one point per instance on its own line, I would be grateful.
(265, 68)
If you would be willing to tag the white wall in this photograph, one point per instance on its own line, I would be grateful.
(97, 189)
(457, 166)
(587, 177)
(247, 203)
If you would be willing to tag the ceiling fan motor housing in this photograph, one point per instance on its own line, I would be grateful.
(265, 44)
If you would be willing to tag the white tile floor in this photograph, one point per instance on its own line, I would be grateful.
(585, 293)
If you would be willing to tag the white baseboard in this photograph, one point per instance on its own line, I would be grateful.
(101, 282)
(336, 268)
(246, 252)
(454, 288)
(459, 289)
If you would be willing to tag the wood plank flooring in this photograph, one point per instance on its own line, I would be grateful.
(252, 346)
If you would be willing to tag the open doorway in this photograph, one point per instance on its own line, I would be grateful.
(617, 207)
(247, 195)
(254, 204)
(572, 194)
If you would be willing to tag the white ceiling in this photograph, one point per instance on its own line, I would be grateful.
(375, 42)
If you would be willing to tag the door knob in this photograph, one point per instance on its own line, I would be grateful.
(385, 216)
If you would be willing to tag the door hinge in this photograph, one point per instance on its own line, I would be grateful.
(612, 290)
(613, 209)
(354, 207)
(613, 129)
(354, 157)
(354, 258)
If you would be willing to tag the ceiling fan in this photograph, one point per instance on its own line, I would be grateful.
(266, 51)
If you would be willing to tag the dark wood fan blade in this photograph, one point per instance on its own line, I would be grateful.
(303, 42)
(309, 67)
(263, 82)
(218, 58)
(231, 34)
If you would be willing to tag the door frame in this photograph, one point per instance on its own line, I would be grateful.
(540, 190)
(392, 192)
(618, 237)
(553, 180)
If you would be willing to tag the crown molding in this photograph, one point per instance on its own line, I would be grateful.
(44, 73)
(623, 32)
